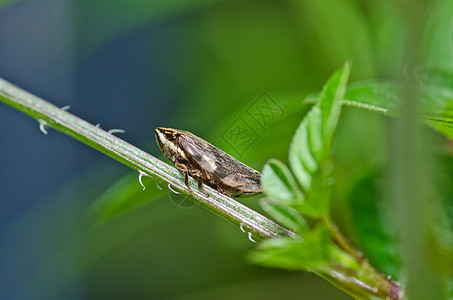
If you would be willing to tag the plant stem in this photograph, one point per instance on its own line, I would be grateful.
(360, 287)
(370, 277)
(49, 115)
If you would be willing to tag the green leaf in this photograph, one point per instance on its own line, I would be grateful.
(331, 97)
(436, 101)
(310, 147)
(441, 125)
(435, 76)
(312, 252)
(302, 161)
(372, 224)
(124, 195)
(287, 216)
(377, 96)
(435, 96)
(279, 183)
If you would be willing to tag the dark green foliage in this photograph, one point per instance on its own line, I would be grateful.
(309, 159)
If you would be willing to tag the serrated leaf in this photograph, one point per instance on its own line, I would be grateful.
(310, 146)
(435, 95)
(436, 102)
(124, 195)
(315, 135)
(309, 253)
(303, 163)
(330, 102)
(279, 183)
(284, 215)
(377, 96)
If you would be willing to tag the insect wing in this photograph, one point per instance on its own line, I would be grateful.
(235, 175)
(210, 158)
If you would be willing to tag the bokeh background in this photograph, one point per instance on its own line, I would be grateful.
(197, 65)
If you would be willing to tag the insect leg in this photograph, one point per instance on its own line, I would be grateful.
(183, 169)
(222, 191)
(200, 187)
(199, 175)
(186, 181)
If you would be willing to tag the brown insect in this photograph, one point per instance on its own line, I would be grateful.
(208, 164)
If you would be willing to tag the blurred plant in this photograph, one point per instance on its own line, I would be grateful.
(238, 44)
(4, 3)
(298, 197)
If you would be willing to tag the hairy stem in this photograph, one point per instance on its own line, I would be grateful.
(49, 115)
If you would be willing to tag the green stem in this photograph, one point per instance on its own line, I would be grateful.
(146, 164)
(350, 284)
(341, 240)
(371, 279)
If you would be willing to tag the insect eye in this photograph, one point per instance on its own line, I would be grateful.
(170, 137)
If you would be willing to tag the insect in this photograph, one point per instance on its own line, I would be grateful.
(208, 164)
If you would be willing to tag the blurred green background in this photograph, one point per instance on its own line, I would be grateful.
(66, 228)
